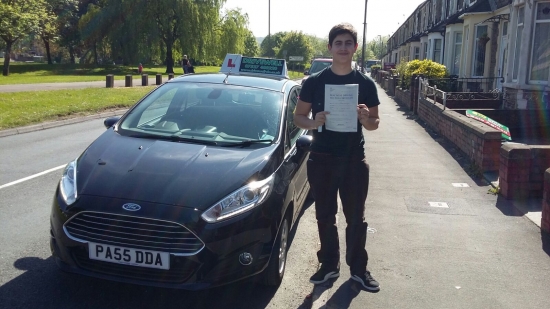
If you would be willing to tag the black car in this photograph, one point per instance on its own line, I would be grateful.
(196, 186)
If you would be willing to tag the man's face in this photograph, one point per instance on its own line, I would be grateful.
(343, 48)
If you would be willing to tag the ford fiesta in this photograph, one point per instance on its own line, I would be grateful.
(197, 185)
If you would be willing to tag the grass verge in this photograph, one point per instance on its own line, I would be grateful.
(25, 108)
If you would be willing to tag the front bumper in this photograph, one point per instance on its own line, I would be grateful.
(217, 263)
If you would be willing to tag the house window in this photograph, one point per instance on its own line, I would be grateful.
(437, 50)
(540, 57)
(480, 48)
(517, 48)
(457, 53)
(416, 52)
(425, 51)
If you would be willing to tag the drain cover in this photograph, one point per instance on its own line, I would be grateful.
(438, 205)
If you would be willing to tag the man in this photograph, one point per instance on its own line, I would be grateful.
(185, 64)
(337, 160)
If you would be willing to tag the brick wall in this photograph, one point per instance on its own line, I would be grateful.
(522, 170)
(402, 97)
(479, 142)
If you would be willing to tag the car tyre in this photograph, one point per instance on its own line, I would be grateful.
(273, 274)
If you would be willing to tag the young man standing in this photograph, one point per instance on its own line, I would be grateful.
(337, 160)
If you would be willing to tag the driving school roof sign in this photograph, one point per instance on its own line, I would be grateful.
(234, 63)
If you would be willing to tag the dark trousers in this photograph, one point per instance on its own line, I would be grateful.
(327, 176)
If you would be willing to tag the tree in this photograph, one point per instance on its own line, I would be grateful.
(48, 27)
(251, 48)
(271, 44)
(296, 44)
(18, 19)
(319, 46)
(233, 33)
(68, 15)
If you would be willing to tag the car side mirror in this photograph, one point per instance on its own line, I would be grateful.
(306, 72)
(304, 142)
(111, 121)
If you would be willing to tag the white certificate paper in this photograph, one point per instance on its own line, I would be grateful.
(341, 101)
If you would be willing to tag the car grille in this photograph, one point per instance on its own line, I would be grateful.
(133, 232)
(180, 270)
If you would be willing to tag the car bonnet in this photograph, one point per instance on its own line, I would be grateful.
(158, 171)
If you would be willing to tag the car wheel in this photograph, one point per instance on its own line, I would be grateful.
(273, 274)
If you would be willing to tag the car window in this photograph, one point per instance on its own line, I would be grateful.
(293, 131)
(221, 113)
(317, 66)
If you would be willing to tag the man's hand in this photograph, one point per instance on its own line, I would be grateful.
(368, 118)
(320, 118)
(362, 112)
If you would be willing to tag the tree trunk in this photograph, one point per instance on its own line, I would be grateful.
(7, 57)
(95, 54)
(71, 53)
(169, 57)
(48, 54)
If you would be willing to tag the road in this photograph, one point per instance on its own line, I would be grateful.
(431, 243)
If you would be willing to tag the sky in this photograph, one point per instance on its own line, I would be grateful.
(316, 17)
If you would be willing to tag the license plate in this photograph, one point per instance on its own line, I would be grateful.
(129, 256)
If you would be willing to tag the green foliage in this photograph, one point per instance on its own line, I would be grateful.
(251, 48)
(427, 68)
(296, 44)
(271, 44)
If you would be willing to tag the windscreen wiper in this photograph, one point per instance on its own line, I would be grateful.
(175, 138)
(249, 142)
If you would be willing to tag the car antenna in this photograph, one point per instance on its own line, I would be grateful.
(227, 76)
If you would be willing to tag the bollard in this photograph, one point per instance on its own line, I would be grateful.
(129, 80)
(170, 76)
(110, 81)
(144, 80)
(159, 79)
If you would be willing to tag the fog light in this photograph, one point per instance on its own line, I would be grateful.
(245, 258)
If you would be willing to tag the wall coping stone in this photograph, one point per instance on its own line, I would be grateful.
(515, 151)
(547, 176)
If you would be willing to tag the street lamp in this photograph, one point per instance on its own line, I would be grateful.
(364, 38)
(269, 18)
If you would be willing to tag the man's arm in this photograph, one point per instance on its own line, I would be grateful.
(301, 116)
(368, 117)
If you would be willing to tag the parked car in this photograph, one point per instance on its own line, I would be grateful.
(318, 64)
(197, 185)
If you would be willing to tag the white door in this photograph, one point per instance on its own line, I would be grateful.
(502, 55)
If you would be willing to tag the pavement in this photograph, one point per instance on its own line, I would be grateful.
(438, 237)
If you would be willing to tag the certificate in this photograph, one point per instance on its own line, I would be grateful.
(341, 102)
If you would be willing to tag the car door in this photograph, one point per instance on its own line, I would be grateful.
(293, 155)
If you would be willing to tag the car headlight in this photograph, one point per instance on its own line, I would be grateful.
(67, 184)
(242, 200)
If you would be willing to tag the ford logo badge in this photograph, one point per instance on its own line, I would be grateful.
(131, 207)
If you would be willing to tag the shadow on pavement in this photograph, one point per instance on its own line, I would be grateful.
(42, 285)
(545, 237)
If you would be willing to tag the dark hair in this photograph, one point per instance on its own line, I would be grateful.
(342, 29)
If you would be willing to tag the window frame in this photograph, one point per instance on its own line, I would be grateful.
(532, 46)
(517, 43)
(475, 50)
(455, 45)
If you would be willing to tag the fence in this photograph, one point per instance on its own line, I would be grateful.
(463, 92)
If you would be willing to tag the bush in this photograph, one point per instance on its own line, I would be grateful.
(375, 67)
(427, 68)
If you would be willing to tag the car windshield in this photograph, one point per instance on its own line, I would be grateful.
(317, 66)
(209, 113)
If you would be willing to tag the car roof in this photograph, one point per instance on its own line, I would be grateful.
(274, 83)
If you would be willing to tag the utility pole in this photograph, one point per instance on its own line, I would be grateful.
(269, 18)
(364, 38)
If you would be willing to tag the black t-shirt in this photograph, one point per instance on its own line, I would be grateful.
(185, 62)
(313, 91)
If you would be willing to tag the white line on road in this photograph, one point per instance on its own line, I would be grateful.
(32, 176)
